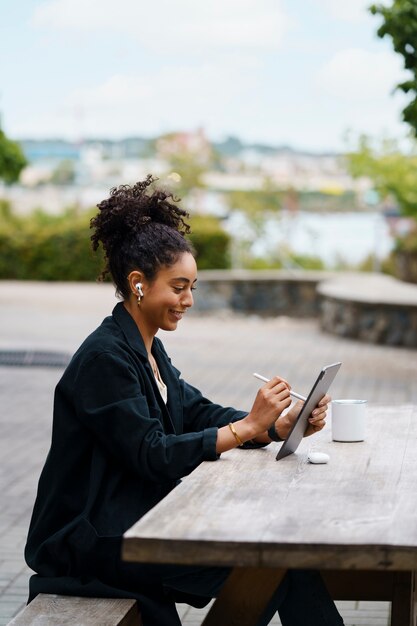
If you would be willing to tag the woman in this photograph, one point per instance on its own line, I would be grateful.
(127, 428)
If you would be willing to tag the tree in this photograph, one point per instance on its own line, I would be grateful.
(186, 174)
(257, 203)
(258, 206)
(12, 159)
(64, 173)
(400, 23)
(188, 156)
(393, 173)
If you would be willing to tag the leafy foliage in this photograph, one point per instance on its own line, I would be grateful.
(211, 242)
(188, 157)
(392, 172)
(400, 23)
(64, 173)
(49, 247)
(256, 203)
(12, 159)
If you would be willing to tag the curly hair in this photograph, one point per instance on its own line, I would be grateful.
(139, 228)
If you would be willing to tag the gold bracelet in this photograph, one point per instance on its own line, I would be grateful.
(236, 436)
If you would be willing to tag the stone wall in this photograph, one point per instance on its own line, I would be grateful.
(368, 307)
(391, 325)
(265, 293)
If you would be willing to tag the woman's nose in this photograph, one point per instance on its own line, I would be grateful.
(187, 299)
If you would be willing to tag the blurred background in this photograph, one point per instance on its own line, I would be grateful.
(287, 128)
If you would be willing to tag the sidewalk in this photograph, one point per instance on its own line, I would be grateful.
(56, 317)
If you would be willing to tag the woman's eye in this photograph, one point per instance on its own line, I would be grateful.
(179, 289)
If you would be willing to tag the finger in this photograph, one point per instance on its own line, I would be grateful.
(282, 394)
(283, 404)
(319, 411)
(274, 392)
(281, 387)
(270, 394)
(325, 400)
(285, 397)
(318, 414)
(279, 396)
(314, 428)
(276, 380)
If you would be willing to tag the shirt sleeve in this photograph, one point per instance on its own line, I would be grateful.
(111, 404)
(200, 413)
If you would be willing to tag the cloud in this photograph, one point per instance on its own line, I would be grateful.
(347, 11)
(355, 89)
(118, 90)
(172, 98)
(171, 25)
(355, 74)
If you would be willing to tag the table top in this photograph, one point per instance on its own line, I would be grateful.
(247, 509)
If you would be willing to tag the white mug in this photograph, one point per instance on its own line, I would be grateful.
(348, 420)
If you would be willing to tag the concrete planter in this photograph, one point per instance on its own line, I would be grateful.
(264, 293)
(369, 307)
(372, 308)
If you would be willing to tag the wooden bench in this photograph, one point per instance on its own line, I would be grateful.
(50, 610)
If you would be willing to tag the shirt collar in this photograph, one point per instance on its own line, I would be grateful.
(129, 328)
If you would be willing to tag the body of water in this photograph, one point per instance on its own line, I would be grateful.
(333, 237)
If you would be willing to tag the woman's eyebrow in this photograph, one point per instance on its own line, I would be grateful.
(183, 279)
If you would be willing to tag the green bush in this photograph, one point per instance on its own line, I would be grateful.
(408, 243)
(306, 262)
(211, 243)
(44, 247)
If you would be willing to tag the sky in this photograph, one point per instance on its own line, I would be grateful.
(303, 73)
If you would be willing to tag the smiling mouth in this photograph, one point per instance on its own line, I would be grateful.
(177, 314)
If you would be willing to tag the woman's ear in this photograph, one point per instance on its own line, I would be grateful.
(135, 280)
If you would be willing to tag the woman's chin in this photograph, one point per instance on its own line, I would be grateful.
(171, 325)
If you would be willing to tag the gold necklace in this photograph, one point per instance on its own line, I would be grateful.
(153, 364)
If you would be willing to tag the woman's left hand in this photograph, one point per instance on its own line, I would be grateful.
(317, 419)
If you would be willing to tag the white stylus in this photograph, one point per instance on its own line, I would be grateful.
(292, 393)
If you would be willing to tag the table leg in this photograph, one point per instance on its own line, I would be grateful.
(404, 599)
(244, 596)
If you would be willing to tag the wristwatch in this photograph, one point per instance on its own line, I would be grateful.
(272, 434)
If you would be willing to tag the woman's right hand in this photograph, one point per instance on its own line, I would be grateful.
(271, 400)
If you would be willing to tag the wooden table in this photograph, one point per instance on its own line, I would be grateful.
(355, 519)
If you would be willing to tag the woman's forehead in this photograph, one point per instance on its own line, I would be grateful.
(184, 268)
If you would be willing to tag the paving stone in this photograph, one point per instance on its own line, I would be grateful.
(61, 316)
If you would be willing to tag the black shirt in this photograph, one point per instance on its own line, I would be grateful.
(116, 449)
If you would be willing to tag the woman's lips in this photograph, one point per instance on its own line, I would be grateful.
(177, 314)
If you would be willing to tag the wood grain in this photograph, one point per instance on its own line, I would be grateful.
(403, 610)
(246, 509)
(243, 598)
(50, 610)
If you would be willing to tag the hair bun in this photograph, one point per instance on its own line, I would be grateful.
(130, 209)
(139, 226)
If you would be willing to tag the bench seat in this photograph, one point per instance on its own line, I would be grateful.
(50, 610)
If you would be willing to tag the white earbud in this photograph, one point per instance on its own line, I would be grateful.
(140, 292)
(139, 289)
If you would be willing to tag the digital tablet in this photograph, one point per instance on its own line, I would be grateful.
(319, 389)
